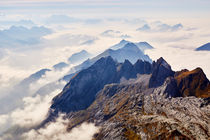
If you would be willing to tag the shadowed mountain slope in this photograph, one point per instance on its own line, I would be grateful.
(89, 81)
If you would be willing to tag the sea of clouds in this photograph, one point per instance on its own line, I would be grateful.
(55, 38)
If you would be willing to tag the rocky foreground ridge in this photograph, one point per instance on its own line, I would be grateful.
(137, 101)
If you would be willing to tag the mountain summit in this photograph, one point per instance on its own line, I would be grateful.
(141, 45)
(161, 70)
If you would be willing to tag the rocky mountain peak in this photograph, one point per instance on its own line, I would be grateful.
(163, 63)
(104, 61)
(127, 63)
(123, 41)
(193, 83)
(161, 70)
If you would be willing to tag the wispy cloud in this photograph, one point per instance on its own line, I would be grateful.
(19, 36)
(61, 19)
(114, 33)
(24, 22)
(161, 27)
(32, 113)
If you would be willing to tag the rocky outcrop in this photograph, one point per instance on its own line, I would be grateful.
(169, 88)
(143, 67)
(161, 70)
(193, 83)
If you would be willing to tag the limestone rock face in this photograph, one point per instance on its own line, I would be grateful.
(193, 83)
(133, 111)
(169, 88)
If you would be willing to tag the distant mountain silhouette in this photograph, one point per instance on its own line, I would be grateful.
(129, 51)
(142, 45)
(205, 47)
(60, 66)
(79, 57)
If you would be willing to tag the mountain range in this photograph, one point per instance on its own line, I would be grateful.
(81, 60)
(129, 51)
(129, 96)
(136, 101)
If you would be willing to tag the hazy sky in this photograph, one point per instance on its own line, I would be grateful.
(136, 8)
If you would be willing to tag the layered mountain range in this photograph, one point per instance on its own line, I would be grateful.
(136, 101)
(129, 96)
(83, 59)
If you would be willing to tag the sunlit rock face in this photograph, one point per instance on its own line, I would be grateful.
(193, 83)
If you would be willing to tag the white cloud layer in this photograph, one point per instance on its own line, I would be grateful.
(57, 131)
(160, 27)
(114, 34)
(32, 113)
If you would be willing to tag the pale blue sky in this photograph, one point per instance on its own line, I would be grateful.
(133, 8)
